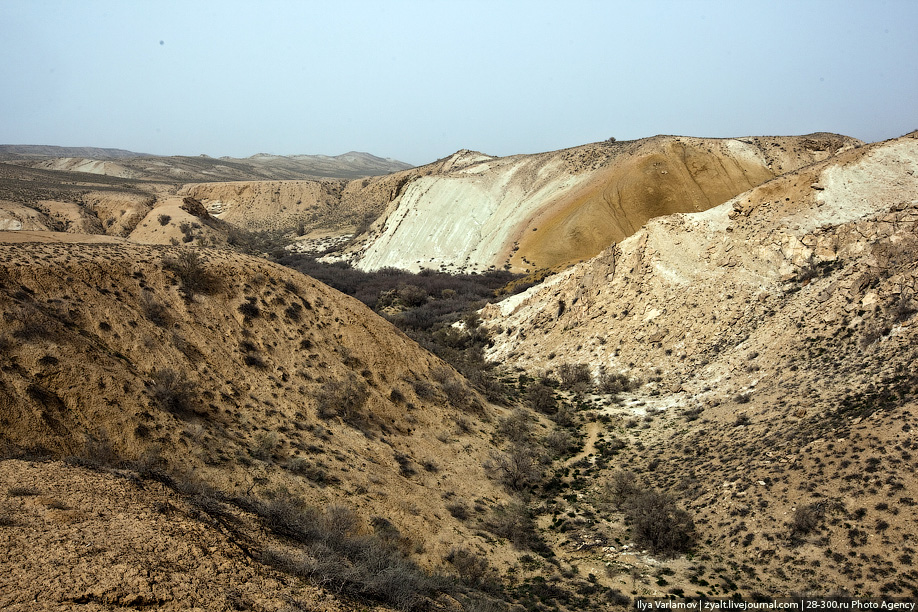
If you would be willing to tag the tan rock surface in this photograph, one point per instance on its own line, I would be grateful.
(774, 338)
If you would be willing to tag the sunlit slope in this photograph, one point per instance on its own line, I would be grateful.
(553, 209)
(248, 375)
(819, 247)
(773, 339)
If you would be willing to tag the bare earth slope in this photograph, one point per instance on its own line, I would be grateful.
(553, 209)
(72, 538)
(244, 376)
(274, 205)
(777, 334)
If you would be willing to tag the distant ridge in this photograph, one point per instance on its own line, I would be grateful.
(55, 151)
(144, 166)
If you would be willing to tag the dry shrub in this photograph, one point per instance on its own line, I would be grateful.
(171, 391)
(541, 398)
(518, 469)
(344, 399)
(517, 427)
(575, 376)
(473, 569)
(659, 524)
(193, 276)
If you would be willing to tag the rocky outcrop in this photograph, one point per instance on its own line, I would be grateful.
(194, 207)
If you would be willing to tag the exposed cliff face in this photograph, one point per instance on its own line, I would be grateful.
(553, 209)
(271, 205)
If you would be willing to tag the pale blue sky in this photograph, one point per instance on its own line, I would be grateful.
(418, 80)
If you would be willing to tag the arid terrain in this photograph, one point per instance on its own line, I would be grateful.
(549, 210)
(672, 366)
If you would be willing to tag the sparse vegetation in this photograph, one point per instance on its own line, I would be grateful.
(575, 376)
(344, 399)
(171, 391)
(192, 273)
(657, 522)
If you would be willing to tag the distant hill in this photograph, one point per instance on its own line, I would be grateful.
(7, 151)
(201, 168)
(351, 165)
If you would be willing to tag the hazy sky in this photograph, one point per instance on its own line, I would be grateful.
(419, 80)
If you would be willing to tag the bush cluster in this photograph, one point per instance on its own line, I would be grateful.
(657, 522)
(171, 391)
(336, 552)
(344, 399)
(193, 275)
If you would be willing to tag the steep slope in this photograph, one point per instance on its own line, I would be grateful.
(553, 209)
(244, 376)
(751, 248)
(273, 205)
(775, 336)
(71, 538)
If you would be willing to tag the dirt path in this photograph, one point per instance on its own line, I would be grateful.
(589, 446)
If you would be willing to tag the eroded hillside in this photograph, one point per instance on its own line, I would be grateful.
(553, 209)
(81, 539)
(241, 376)
(113, 192)
(774, 337)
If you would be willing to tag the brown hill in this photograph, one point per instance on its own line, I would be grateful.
(662, 176)
(775, 339)
(553, 209)
(111, 193)
(243, 376)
